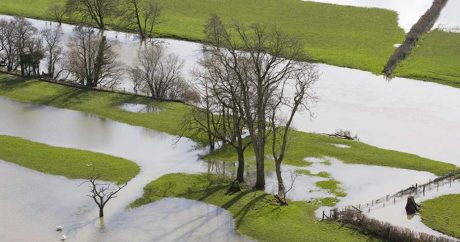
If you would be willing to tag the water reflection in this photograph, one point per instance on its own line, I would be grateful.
(406, 115)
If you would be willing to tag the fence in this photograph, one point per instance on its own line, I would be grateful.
(402, 194)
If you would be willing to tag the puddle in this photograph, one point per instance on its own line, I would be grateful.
(342, 146)
(139, 108)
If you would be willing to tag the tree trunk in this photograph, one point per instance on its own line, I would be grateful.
(240, 171)
(101, 212)
(281, 188)
(411, 206)
(260, 159)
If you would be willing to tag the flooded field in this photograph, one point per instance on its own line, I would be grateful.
(401, 114)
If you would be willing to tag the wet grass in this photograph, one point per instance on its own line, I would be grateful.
(332, 186)
(355, 37)
(436, 59)
(302, 145)
(71, 163)
(255, 213)
(170, 118)
(442, 213)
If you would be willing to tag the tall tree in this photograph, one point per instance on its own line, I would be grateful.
(92, 60)
(262, 61)
(53, 48)
(96, 11)
(158, 73)
(143, 15)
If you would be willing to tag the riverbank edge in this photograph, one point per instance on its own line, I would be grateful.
(252, 211)
(67, 162)
(169, 120)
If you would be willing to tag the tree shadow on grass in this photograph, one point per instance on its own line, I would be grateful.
(14, 83)
(241, 215)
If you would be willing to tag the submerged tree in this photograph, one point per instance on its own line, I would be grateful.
(263, 63)
(91, 59)
(102, 193)
(143, 15)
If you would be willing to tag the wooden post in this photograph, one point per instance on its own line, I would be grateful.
(324, 214)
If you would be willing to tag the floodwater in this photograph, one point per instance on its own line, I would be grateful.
(139, 108)
(409, 11)
(37, 203)
(402, 114)
(395, 213)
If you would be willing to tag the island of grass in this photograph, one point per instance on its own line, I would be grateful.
(361, 38)
(255, 213)
(300, 145)
(71, 163)
(436, 59)
(442, 214)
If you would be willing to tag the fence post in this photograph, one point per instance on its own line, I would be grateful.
(324, 214)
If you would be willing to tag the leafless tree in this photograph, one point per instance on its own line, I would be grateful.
(263, 61)
(293, 94)
(96, 11)
(219, 116)
(57, 11)
(144, 15)
(102, 193)
(8, 47)
(91, 59)
(53, 49)
(158, 73)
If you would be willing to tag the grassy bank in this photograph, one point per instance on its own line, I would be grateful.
(442, 213)
(436, 59)
(255, 214)
(168, 120)
(361, 38)
(71, 163)
(302, 145)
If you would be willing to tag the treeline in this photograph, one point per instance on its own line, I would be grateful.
(89, 59)
(424, 24)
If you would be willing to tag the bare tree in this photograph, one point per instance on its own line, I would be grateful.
(262, 61)
(144, 15)
(57, 11)
(53, 49)
(96, 11)
(102, 193)
(157, 72)
(91, 59)
(300, 78)
(219, 115)
(8, 47)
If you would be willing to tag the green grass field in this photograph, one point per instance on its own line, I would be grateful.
(436, 59)
(301, 145)
(71, 163)
(255, 213)
(340, 35)
(442, 214)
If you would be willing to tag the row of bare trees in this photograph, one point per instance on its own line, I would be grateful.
(89, 59)
(143, 15)
(251, 89)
